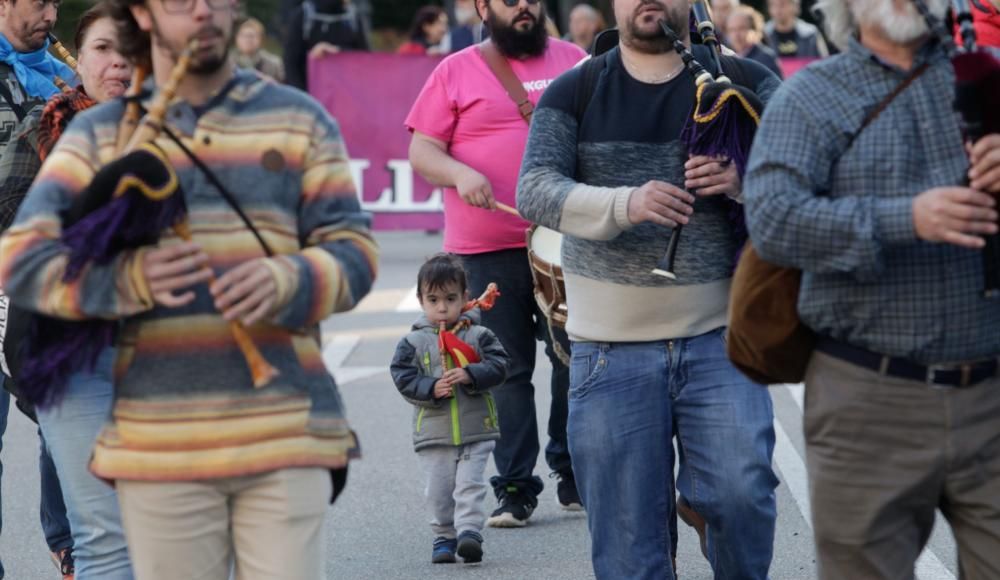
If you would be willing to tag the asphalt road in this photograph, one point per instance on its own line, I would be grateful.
(378, 528)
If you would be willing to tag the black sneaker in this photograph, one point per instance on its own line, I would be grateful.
(569, 497)
(515, 509)
(63, 560)
(470, 547)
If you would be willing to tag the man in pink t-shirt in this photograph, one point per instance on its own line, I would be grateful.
(469, 137)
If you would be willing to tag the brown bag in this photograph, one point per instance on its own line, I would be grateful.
(766, 339)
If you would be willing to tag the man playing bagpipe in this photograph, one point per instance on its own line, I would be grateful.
(611, 164)
(861, 178)
(226, 424)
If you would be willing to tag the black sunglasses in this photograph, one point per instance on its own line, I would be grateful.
(513, 3)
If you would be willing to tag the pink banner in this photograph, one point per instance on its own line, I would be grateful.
(790, 66)
(370, 94)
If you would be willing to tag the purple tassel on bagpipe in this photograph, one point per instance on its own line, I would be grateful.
(129, 203)
(727, 133)
(54, 350)
(128, 221)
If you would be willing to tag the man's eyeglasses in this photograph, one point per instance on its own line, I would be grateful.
(513, 3)
(185, 6)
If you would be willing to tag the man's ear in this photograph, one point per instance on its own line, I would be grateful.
(141, 15)
(481, 9)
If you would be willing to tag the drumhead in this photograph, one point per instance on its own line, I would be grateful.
(547, 245)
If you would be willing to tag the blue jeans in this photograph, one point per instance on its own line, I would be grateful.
(626, 402)
(52, 508)
(52, 511)
(518, 323)
(91, 504)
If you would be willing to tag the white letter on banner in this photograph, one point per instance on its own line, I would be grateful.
(399, 197)
(358, 167)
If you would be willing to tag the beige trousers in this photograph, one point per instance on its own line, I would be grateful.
(269, 525)
(883, 455)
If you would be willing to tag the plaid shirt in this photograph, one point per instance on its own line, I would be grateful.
(19, 165)
(844, 215)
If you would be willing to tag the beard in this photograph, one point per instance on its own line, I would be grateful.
(653, 41)
(514, 43)
(901, 27)
(202, 62)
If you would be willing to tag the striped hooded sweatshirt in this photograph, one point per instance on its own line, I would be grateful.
(185, 407)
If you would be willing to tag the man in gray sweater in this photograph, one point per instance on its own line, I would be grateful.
(648, 353)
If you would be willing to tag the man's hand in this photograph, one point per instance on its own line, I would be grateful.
(954, 215)
(248, 292)
(712, 176)
(443, 389)
(323, 48)
(173, 268)
(660, 203)
(475, 189)
(984, 175)
(457, 376)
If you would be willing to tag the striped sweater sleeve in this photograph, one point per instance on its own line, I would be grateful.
(338, 262)
(33, 261)
(547, 191)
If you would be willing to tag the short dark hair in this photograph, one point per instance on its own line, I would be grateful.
(100, 10)
(133, 42)
(438, 271)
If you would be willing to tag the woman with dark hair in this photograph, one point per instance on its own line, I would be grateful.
(430, 25)
(70, 426)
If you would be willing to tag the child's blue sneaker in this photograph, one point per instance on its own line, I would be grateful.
(444, 550)
(470, 546)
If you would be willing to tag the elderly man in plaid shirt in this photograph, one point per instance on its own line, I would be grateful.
(902, 393)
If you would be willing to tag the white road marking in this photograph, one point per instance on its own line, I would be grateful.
(409, 302)
(335, 353)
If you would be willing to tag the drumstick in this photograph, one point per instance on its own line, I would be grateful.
(506, 208)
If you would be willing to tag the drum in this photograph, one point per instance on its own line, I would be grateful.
(545, 257)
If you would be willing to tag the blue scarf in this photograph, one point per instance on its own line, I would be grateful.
(35, 70)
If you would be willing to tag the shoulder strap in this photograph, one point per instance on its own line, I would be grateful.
(226, 194)
(501, 70)
(734, 69)
(884, 103)
(308, 15)
(590, 72)
(18, 109)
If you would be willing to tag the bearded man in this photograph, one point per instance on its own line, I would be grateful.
(241, 488)
(468, 137)
(648, 354)
(902, 394)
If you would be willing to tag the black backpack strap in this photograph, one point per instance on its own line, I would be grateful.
(590, 72)
(735, 70)
(18, 109)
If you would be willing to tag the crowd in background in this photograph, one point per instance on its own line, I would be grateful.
(314, 28)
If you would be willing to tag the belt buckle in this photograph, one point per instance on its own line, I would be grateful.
(933, 370)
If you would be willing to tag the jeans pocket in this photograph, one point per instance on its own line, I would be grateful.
(586, 366)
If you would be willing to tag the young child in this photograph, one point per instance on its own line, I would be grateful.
(454, 417)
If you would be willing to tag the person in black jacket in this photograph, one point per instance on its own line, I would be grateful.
(317, 28)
